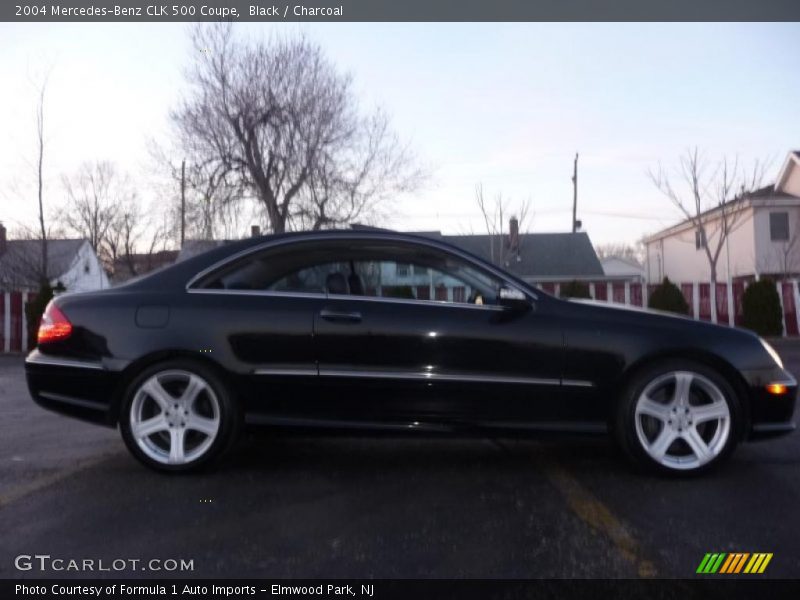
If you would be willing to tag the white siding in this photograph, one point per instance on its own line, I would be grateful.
(85, 273)
(777, 256)
(792, 183)
(678, 258)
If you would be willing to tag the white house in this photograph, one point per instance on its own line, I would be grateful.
(71, 262)
(764, 240)
(627, 269)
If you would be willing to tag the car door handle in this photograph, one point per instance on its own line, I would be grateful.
(336, 316)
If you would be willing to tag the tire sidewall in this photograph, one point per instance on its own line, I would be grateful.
(230, 417)
(625, 421)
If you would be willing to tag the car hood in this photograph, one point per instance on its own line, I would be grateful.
(628, 307)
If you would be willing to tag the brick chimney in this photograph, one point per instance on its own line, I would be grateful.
(3, 240)
(255, 231)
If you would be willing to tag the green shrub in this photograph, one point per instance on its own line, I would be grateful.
(761, 308)
(668, 297)
(575, 289)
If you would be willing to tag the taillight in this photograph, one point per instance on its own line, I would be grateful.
(54, 325)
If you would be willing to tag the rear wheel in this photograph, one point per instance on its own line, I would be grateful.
(678, 417)
(178, 416)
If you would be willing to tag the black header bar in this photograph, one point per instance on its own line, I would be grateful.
(398, 10)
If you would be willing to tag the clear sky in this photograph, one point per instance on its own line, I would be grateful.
(507, 105)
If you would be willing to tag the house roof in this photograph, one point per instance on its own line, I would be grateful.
(792, 161)
(768, 191)
(541, 255)
(19, 264)
(771, 191)
(619, 265)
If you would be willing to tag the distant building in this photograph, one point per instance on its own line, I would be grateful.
(71, 262)
(534, 257)
(765, 240)
(625, 269)
(129, 266)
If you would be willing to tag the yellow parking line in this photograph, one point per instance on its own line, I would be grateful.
(599, 517)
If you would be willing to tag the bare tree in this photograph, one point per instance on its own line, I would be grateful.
(95, 194)
(712, 199)
(135, 236)
(280, 120)
(494, 218)
(43, 267)
(635, 252)
(211, 194)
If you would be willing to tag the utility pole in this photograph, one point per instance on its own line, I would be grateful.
(575, 194)
(183, 201)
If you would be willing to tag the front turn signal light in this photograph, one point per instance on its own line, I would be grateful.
(777, 389)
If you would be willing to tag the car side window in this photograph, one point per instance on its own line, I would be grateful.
(368, 268)
(313, 279)
(406, 279)
(293, 269)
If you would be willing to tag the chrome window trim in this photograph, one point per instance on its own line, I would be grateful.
(360, 236)
(415, 301)
(270, 293)
(37, 358)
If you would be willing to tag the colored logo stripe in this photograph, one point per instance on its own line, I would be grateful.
(758, 563)
(710, 563)
(733, 563)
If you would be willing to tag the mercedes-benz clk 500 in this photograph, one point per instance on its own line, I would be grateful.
(373, 330)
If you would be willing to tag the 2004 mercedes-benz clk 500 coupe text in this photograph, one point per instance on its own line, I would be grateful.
(376, 330)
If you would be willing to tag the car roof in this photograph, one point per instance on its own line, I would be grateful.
(178, 275)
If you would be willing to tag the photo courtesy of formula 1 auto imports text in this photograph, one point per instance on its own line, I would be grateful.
(373, 299)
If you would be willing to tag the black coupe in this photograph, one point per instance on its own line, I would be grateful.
(376, 330)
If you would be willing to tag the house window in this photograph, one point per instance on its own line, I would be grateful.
(779, 226)
(420, 270)
(699, 239)
(401, 269)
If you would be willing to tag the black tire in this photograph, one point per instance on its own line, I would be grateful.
(632, 437)
(216, 400)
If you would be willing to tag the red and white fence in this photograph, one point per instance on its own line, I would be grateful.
(719, 304)
(13, 328)
(722, 304)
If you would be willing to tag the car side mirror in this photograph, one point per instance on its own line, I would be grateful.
(512, 298)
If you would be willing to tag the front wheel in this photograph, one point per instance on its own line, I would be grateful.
(678, 417)
(178, 416)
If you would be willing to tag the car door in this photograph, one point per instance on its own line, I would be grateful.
(262, 307)
(418, 336)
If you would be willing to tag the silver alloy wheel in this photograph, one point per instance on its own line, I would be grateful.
(682, 420)
(174, 417)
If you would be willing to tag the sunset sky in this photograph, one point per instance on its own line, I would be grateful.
(505, 105)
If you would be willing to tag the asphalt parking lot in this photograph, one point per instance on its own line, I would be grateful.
(347, 507)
